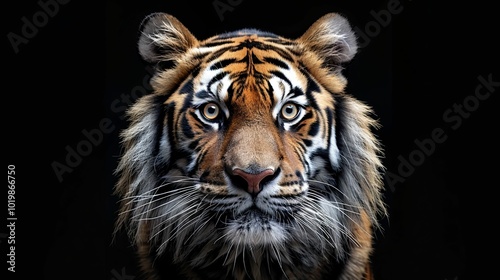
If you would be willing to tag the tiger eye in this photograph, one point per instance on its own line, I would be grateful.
(290, 111)
(210, 111)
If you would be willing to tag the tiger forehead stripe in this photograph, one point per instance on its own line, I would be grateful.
(233, 63)
(249, 41)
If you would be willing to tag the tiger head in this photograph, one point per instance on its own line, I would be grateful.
(249, 161)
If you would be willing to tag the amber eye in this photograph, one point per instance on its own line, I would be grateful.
(290, 111)
(210, 111)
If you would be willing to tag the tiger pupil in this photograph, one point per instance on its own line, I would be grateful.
(290, 111)
(211, 111)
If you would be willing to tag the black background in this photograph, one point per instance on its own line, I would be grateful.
(81, 66)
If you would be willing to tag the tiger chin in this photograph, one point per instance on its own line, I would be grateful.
(248, 160)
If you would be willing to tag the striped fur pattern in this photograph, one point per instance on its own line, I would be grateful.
(249, 161)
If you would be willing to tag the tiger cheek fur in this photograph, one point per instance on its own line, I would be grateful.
(249, 161)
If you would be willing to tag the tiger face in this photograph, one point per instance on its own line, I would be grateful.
(249, 161)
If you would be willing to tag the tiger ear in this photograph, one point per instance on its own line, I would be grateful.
(164, 39)
(332, 38)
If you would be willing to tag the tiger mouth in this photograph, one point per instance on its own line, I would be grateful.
(252, 217)
(255, 213)
(254, 226)
(255, 216)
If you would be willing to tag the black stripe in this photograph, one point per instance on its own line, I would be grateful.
(255, 59)
(222, 64)
(329, 123)
(270, 93)
(311, 84)
(300, 151)
(284, 54)
(170, 110)
(217, 43)
(218, 53)
(203, 94)
(312, 100)
(277, 62)
(187, 87)
(296, 91)
(281, 76)
(283, 42)
(186, 128)
(295, 51)
(217, 78)
(301, 124)
(194, 145)
(250, 44)
(338, 115)
(159, 111)
(307, 142)
(230, 92)
(314, 129)
(195, 71)
(188, 101)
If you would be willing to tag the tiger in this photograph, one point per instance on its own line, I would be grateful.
(248, 159)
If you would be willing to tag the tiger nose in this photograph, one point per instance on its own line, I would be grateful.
(254, 180)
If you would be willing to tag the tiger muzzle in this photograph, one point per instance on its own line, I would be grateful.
(252, 157)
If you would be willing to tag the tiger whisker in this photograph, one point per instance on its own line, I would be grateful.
(178, 226)
(327, 184)
(320, 213)
(307, 224)
(154, 198)
(137, 198)
(146, 193)
(200, 227)
(344, 212)
(172, 209)
(149, 209)
(336, 204)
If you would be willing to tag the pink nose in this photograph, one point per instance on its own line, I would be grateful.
(253, 180)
